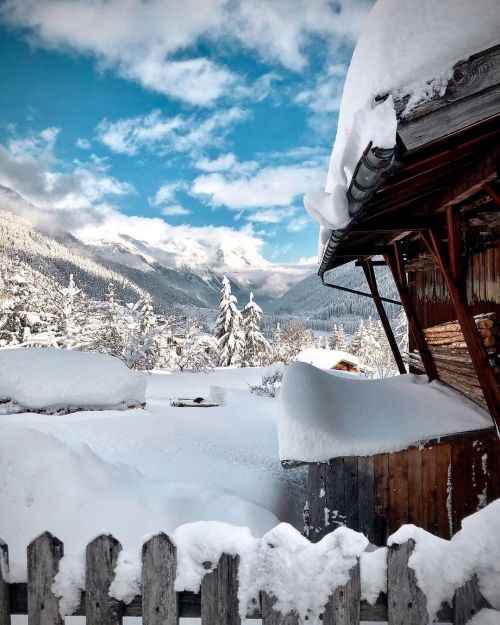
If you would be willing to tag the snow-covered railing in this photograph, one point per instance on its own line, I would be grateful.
(217, 602)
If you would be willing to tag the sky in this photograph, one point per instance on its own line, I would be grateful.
(207, 119)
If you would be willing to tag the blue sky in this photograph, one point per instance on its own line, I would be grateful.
(206, 120)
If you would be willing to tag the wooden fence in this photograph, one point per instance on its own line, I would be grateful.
(217, 602)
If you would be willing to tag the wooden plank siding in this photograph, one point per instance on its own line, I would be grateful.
(433, 486)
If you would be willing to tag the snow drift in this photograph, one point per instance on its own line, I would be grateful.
(53, 379)
(322, 415)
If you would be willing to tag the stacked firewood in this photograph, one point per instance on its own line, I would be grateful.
(451, 356)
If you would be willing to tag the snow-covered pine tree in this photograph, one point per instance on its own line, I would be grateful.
(112, 331)
(401, 331)
(228, 328)
(74, 316)
(357, 338)
(142, 348)
(290, 341)
(194, 349)
(256, 350)
(20, 305)
(338, 339)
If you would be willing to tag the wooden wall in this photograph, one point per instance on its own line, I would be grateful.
(434, 487)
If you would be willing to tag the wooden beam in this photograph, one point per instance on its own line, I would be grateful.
(458, 297)
(394, 259)
(493, 190)
(372, 283)
(454, 242)
(375, 263)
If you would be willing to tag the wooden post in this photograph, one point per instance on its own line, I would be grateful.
(372, 283)
(406, 603)
(467, 601)
(454, 242)
(271, 616)
(44, 554)
(101, 558)
(394, 260)
(219, 593)
(4, 586)
(160, 604)
(484, 371)
(343, 607)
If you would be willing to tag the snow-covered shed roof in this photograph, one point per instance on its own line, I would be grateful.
(326, 358)
(323, 416)
(406, 52)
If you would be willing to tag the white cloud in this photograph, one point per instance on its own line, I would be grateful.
(325, 95)
(83, 144)
(221, 163)
(176, 210)
(275, 186)
(298, 224)
(141, 40)
(70, 194)
(164, 134)
(166, 193)
(271, 215)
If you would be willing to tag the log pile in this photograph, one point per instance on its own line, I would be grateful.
(451, 356)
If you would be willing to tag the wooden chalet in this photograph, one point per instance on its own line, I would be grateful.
(430, 210)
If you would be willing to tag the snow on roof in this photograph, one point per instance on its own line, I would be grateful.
(325, 358)
(406, 47)
(38, 379)
(323, 416)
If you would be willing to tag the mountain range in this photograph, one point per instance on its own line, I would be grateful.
(175, 274)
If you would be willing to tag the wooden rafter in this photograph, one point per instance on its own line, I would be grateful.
(372, 283)
(394, 259)
(465, 317)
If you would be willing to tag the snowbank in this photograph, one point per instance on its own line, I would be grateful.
(406, 47)
(52, 379)
(442, 566)
(325, 358)
(323, 416)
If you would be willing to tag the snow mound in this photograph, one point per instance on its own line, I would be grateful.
(442, 566)
(486, 617)
(53, 379)
(406, 47)
(323, 416)
(325, 358)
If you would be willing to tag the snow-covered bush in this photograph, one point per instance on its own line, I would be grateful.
(290, 341)
(271, 381)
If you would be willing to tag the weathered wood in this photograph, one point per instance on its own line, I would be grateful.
(343, 607)
(470, 76)
(395, 263)
(351, 492)
(366, 497)
(4, 586)
(415, 486)
(467, 601)
(219, 593)
(462, 483)
(372, 284)
(406, 603)
(160, 602)
(381, 469)
(190, 606)
(449, 120)
(101, 559)
(443, 492)
(458, 297)
(271, 616)
(398, 490)
(429, 487)
(44, 554)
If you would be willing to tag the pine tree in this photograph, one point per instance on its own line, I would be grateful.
(142, 349)
(73, 317)
(228, 328)
(401, 331)
(112, 330)
(338, 339)
(256, 345)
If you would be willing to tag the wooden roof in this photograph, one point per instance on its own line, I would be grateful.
(448, 151)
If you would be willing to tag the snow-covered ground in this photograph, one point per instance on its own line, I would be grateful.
(140, 471)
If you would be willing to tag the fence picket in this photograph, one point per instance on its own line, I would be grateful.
(4, 586)
(406, 603)
(219, 593)
(44, 554)
(101, 558)
(467, 601)
(343, 607)
(160, 605)
(271, 616)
